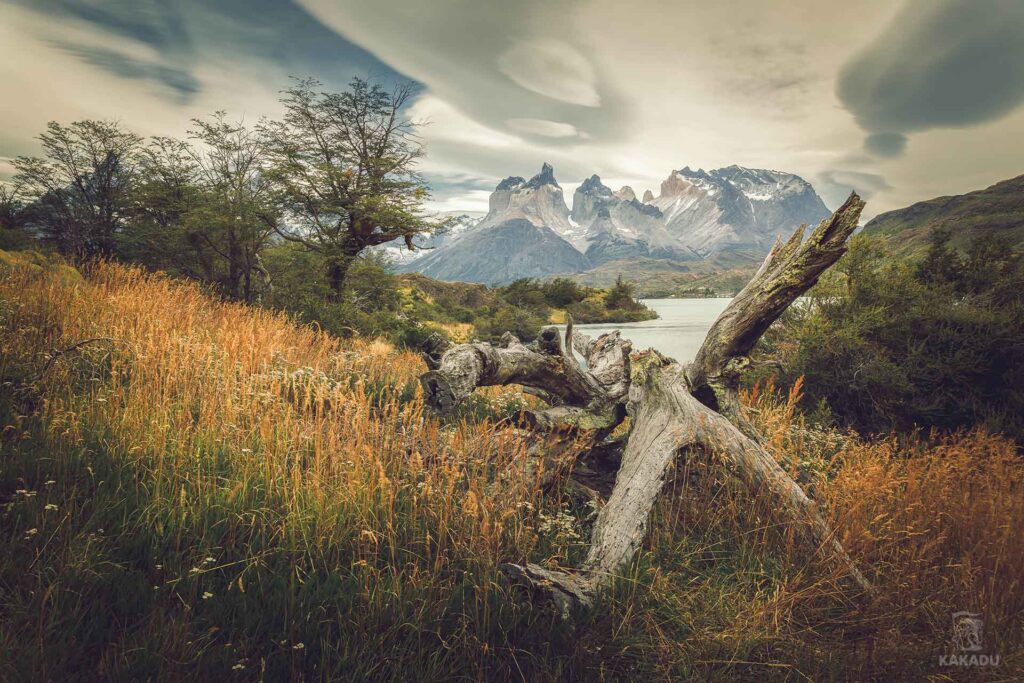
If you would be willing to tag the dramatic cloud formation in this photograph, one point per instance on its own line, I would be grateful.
(153, 64)
(835, 186)
(551, 68)
(553, 129)
(902, 101)
(940, 63)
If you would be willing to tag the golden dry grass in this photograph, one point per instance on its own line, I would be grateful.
(227, 486)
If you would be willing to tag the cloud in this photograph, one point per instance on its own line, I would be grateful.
(153, 65)
(460, 201)
(552, 68)
(180, 81)
(492, 61)
(885, 144)
(835, 186)
(939, 63)
(441, 121)
(173, 43)
(551, 129)
(691, 82)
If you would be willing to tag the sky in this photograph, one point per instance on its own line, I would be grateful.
(901, 100)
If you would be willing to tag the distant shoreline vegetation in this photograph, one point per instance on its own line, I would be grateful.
(465, 311)
(695, 293)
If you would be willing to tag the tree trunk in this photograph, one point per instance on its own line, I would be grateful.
(235, 268)
(674, 410)
(337, 272)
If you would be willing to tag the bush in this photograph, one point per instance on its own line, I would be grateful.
(371, 305)
(522, 322)
(893, 344)
(561, 292)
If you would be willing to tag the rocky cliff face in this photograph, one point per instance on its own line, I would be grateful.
(529, 232)
(538, 200)
(735, 207)
(779, 202)
(618, 218)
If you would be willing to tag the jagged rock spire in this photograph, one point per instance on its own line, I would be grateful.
(545, 177)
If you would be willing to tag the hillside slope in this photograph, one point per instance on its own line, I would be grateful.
(996, 210)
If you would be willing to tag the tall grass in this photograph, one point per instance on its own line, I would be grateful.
(211, 490)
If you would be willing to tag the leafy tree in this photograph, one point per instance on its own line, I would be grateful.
(622, 295)
(198, 208)
(81, 185)
(561, 291)
(12, 218)
(344, 168)
(525, 293)
(941, 263)
(160, 233)
(236, 200)
(12, 207)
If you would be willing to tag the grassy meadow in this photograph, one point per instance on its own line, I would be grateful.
(203, 490)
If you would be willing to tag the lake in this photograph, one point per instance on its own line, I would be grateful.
(679, 330)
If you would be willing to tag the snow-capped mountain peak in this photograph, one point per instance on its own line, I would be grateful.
(697, 213)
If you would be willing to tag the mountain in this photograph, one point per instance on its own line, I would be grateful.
(512, 249)
(400, 255)
(527, 232)
(735, 207)
(619, 226)
(530, 232)
(538, 200)
(996, 210)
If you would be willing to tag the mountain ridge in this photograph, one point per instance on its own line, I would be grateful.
(696, 215)
(996, 209)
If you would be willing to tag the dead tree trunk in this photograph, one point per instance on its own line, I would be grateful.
(674, 409)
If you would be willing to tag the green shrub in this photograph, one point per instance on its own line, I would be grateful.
(892, 344)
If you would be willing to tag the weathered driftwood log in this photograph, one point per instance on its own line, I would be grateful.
(674, 410)
(578, 398)
(789, 270)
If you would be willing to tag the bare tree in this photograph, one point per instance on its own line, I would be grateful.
(344, 168)
(675, 410)
(12, 206)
